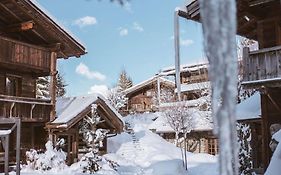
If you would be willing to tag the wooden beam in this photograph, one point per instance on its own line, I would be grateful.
(20, 27)
(53, 84)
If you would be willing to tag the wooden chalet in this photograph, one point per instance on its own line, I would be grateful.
(258, 20)
(193, 78)
(70, 113)
(201, 138)
(30, 44)
(145, 96)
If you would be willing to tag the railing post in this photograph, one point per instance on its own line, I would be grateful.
(246, 64)
(18, 123)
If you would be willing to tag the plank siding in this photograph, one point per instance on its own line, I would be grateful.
(262, 65)
(17, 53)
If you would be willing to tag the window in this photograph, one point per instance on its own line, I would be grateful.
(213, 146)
(13, 86)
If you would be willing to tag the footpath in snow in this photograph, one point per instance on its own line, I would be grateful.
(141, 152)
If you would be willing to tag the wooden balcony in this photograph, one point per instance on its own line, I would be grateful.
(28, 109)
(262, 67)
(27, 57)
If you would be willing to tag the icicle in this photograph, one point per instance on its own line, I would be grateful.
(219, 29)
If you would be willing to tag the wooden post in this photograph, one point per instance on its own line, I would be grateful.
(158, 91)
(53, 84)
(7, 154)
(18, 123)
(245, 57)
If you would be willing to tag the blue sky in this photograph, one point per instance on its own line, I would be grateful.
(136, 37)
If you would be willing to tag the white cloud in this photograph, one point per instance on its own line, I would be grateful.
(186, 42)
(123, 31)
(85, 21)
(138, 27)
(82, 69)
(101, 89)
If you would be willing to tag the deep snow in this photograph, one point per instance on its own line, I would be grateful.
(141, 152)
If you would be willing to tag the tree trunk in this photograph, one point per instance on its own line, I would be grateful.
(219, 29)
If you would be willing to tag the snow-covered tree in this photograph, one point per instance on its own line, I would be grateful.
(219, 31)
(93, 137)
(245, 149)
(180, 120)
(53, 158)
(42, 87)
(124, 81)
(117, 98)
(60, 85)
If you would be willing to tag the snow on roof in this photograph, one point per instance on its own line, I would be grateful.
(200, 121)
(194, 86)
(183, 68)
(5, 132)
(249, 108)
(56, 22)
(69, 107)
(147, 82)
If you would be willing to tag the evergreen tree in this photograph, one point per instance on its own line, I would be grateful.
(61, 86)
(124, 81)
(42, 87)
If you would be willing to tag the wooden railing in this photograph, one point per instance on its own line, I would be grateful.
(28, 109)
(23, 54)
(262, 66)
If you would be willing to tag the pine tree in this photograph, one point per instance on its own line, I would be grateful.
(42, 87)
(124, 81)
(61, 86)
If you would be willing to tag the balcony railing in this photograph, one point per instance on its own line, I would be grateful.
(262, 66)
(28, 109)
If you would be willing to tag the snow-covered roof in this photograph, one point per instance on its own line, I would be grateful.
(147, 82)
(249, 108)
(183, 68)
(194, 86)
(68, 108)
(200, 122)
(187, 2)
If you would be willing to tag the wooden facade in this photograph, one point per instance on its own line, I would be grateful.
(144, 96)
(258, 20)
(193, 78)
(30, 44)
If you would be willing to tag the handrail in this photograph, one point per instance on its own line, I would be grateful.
(25, 100)
(265, 50)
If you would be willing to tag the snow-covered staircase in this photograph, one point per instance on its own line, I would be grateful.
(131, 150)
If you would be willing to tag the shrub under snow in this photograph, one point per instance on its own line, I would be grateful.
(51, 158)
